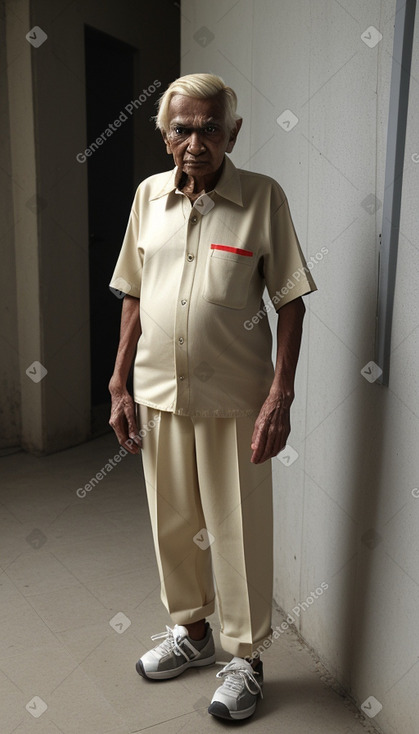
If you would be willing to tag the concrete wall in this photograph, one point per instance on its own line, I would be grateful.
(44, 195)
(345, 512)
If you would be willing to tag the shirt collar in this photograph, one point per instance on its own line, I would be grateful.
(228, 185)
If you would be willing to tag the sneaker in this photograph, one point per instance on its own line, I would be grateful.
(176, 653)
(237, 697)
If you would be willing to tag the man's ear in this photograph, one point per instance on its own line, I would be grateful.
(166, 141)
(233, 135)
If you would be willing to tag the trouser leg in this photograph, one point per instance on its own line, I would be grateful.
(169, 464)
(236, 498)
(199, 475)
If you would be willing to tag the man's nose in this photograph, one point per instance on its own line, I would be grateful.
(195, 144)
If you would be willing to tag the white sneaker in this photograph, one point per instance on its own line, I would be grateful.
(237, 697)
(176, 653)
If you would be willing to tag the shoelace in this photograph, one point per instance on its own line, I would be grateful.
(235, 677)
(169, 644)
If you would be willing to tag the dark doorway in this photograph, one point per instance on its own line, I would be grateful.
(109, 88)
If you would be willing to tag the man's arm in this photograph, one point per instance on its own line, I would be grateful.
(122, 417)
(273, 425)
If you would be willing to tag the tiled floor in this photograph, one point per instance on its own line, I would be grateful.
(80, 598)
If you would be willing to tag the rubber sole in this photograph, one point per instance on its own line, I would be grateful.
(222, 712)
(168, 674)
(219, 709)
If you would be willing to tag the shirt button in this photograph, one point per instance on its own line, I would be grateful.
(181, 377)
(181, 340)
(183, 301)
(190, 258)
(193, 219)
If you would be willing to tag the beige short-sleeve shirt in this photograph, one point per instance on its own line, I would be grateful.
(199, 271)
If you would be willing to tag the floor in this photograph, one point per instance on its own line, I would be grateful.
(79, 597)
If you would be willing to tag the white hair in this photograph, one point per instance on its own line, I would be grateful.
(201, 86)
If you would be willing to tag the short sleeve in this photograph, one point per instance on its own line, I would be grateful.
(127, 275)
(285, 269)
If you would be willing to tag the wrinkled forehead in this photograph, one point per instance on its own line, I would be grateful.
(193, 112)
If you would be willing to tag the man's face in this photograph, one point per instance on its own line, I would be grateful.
(198, 136)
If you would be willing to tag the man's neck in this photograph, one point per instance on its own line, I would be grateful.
(193, 187)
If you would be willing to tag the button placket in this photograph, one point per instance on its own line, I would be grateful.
(182, 311)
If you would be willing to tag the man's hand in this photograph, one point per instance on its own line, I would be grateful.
(122, 417)
(273, 426)
(123, 421)
(271, 431)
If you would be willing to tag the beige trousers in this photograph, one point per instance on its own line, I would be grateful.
(211, 515)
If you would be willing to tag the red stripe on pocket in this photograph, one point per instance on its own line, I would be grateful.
(236, 250)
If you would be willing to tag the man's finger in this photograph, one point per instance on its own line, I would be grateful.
(255, 433)
(258, 449)
(130, 440)
(132, 444)
(266, 446)
(269, 443)
(131, 420)
(136, 442)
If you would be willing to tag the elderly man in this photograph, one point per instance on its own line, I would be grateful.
(203, 241)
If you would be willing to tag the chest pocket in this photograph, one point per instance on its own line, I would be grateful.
(227, 276)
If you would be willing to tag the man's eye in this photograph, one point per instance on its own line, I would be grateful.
(180, 130)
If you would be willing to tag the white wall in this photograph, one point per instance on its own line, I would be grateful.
(345, 513)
